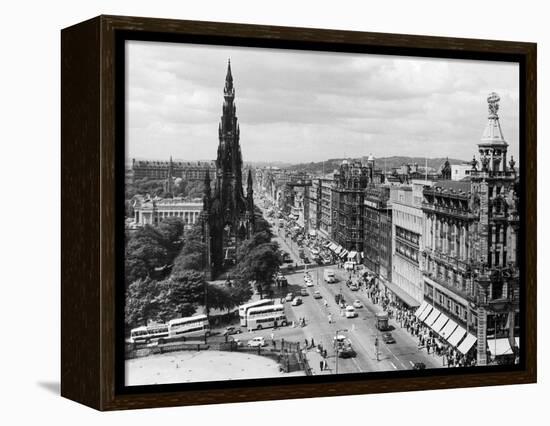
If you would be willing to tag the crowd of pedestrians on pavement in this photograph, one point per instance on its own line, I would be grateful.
(427, 338)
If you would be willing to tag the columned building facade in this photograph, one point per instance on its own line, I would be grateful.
(153, 211)
(470, 258)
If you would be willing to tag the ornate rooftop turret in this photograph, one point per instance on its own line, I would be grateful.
(493, 147)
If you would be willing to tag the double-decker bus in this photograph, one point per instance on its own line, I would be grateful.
(266, 316)
(151, 332)
(194, 326)
(243, 309)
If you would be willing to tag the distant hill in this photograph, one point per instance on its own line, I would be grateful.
(328, 166)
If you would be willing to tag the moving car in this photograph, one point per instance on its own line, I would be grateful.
(303, 292)
(297, 301)
(231, 330)
(388, 338)
(256, 341)
(419, 366)
(329, 276)
(317, 294)
(357, 304)
(309, 283)
(354, 287)
(382, 323)
(289, 297)
(343, 345)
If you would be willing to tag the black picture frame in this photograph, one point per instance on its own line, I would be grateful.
(93, 205)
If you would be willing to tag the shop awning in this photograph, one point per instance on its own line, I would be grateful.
(327, 244)
(338, 249)
(448, 329)
(434, 315)
(424, 314)
(467, 344)
(343, 253)
(440, 323)
(362, 255)
(312, 232)
(501, 346)
(421, 308)
(457, 336)
(402, 295)
(352, 254)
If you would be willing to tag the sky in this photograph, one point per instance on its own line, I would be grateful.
(298, 106)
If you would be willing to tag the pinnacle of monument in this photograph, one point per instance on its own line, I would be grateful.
(493, 133)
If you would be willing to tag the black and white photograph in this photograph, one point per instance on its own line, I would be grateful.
(304, 213)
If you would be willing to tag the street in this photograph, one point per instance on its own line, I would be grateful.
(360, 331)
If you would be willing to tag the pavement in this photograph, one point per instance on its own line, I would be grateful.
(204, 366)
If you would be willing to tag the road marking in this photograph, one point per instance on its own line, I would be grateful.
(412, 363)
(393, 365)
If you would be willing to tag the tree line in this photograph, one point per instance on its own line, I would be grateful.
(164, 272)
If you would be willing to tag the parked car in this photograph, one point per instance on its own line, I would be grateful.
(357, 304)
(303, 292)
(231, 330)
(289, 297)
(256, 341)
(297, 301)
(388, 338)
(350, 312)
(354, 287)
(306, 260)
(349, 265)
(317, 294)
(419, 366)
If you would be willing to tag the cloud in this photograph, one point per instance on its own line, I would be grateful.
(308, 106)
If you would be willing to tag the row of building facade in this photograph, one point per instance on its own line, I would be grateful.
(447, 242)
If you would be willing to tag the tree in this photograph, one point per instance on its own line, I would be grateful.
(145, 251)
(185, 291)
(171, 233)
(143, 302)
(260, 264)
(191, 253)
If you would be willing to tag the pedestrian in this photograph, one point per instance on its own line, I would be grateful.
(321, 365)
(305, 340)
(330, 318)
(312, 343)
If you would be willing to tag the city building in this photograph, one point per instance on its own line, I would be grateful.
(159, 170)
(460, 171)
(325, 204)
(377, 249)
(152, 211)
(470, 256)
(347, 201)
(314, 198)
(407, 226)
(228, 214)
